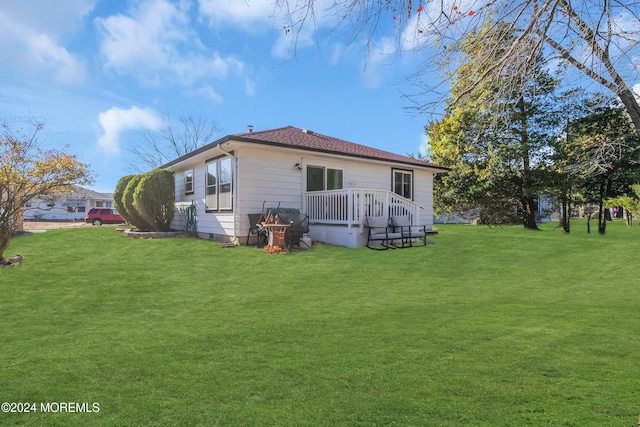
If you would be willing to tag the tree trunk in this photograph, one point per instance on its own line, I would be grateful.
(528, 213)
(566, 209)
(526, 199)
(631, 104)
(564, 221)
(566, 216)
(602, 220)
(5, 236)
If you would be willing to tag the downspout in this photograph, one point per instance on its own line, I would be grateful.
(303, 202)
(236, 220)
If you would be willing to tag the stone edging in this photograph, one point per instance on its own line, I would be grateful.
(150, 234)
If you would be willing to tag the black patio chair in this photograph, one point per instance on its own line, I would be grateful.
(299, 227)
(380, 231)
(256, 230)
(409, 231)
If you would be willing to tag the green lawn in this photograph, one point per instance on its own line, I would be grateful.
(488, 327)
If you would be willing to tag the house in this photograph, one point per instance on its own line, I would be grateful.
(547, 210)
(336, 183)
(68, 206)
(16, 222)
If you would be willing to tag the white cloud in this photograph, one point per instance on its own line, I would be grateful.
(54, 18)
(32, 38)
(246, 14)
(381, 56)
(250, 87)
(254, 16)
(206, 91)
(116, 120)
(155, 44)
(423, 148)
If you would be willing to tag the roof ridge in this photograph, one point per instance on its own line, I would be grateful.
(257, 132)
(305, 139)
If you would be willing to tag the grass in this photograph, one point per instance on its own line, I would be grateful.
(489, 327)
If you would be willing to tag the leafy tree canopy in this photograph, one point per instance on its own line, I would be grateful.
(28, 170)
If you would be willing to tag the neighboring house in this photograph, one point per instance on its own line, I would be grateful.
(68, 207)
(547, 210)
(337, 183)
(16, 221)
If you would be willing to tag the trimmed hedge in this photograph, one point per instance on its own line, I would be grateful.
(118, 197)
(153, 199)
(147, 200)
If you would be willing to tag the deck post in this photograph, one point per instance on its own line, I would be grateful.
(361, 201)
(349, 208)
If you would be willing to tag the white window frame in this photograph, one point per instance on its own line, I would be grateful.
(213, 190)
(189, 182)
(406, 174)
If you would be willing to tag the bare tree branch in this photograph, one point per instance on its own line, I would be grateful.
(173, 140)
(600, 39)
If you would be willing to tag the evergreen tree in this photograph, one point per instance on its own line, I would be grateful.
(498, 153)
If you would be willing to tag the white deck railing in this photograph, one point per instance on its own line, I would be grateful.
(352, 205)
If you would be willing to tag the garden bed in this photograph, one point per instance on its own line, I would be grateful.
(150, 234)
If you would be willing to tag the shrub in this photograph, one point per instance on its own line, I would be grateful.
(154, 198)
(118, 198)
(135, 218)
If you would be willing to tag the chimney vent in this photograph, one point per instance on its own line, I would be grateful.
(250, 128)
(307, 131)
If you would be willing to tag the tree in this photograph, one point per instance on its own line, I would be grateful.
(498, 156)
(564, 182)
(598, 39)
(606, 153)
(172, 140)
(27, 171)
(630, 204)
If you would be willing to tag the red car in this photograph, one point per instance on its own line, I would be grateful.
(99, 216)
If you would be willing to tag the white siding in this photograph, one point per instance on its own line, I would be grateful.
(423, 195)
(216, 225)
(268, 174)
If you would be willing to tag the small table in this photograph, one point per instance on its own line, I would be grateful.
(276, 234)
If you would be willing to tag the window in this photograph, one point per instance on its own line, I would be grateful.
(99, 204)
(319, 178)
(219, 185)
(225, 178)
(188, 182)
(403, 183)
(334, 179)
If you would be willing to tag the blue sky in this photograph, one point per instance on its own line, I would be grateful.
(100, 73)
